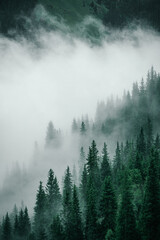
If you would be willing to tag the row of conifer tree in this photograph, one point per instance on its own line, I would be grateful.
(115, 199)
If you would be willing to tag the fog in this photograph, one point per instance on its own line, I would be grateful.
(63, 77)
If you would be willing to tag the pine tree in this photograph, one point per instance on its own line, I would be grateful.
(76, 217)
(83, 129)
(126, 226)
(16, 226)
(91, 229)
(151, 205)
(105, 167)
(149, 135)
(53, 196)
(7, 229)
(83, 191)
(117, 166)
(21, 223)
(42, 234)
(57, 232)
(67, 204)
(39, 209)
(81, 162)
(93, 168)
(108, 207)
(27, 224)
(74, 175)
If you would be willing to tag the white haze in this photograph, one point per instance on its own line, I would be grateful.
(63, 79)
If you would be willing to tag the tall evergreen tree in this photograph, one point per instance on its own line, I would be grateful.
(7, 229)
(27, 224)
(151, 205)
(53, 196)
(83, 129)
(105, 167)
(91, 229)
(57, 231)
(76, 217)
(67, 204)
(126, 225)
(108, 208)
(81, 162)
(39, 209)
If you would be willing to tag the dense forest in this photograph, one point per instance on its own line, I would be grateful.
(104, 198)
(117, 13)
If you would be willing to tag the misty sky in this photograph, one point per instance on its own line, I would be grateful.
(63, 79)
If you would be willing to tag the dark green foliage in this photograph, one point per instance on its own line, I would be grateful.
(117, 166)
(126, 225)
(91, 230)
(108, 208)
(40, 207)
(105, 166)
(6, 229)
(53, 196)
(57, 232)
(151, 206)
(67, 204)
(76, 217)
(81, 162)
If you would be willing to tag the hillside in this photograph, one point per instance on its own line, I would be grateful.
(112, 13)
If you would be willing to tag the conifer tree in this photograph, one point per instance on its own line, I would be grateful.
(16, 226)
(151, 206)
(39, 209)
(126, 226)
(91, 229)
(53, 196)
(7, 229)
(76, 217)
(21, 223)
(117, 166)
(81, 162)
(57, 232)
(108, 208)
(93, 167)
(105, 167)
(67, 204)
(27, 224)
(83, 129)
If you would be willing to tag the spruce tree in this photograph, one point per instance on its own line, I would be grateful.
(117, 166)
(105, 167)
(93, 168)
(7, 229)
(108, 208)
(76, 217)
(91, 229)
(151, 206)
(57, 231)
(27, 224)
(126, 225)
(53, 196)
(81, 162)
(39, 209)
(83, 129)
(67, 204)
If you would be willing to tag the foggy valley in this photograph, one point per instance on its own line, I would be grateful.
(62, 87)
